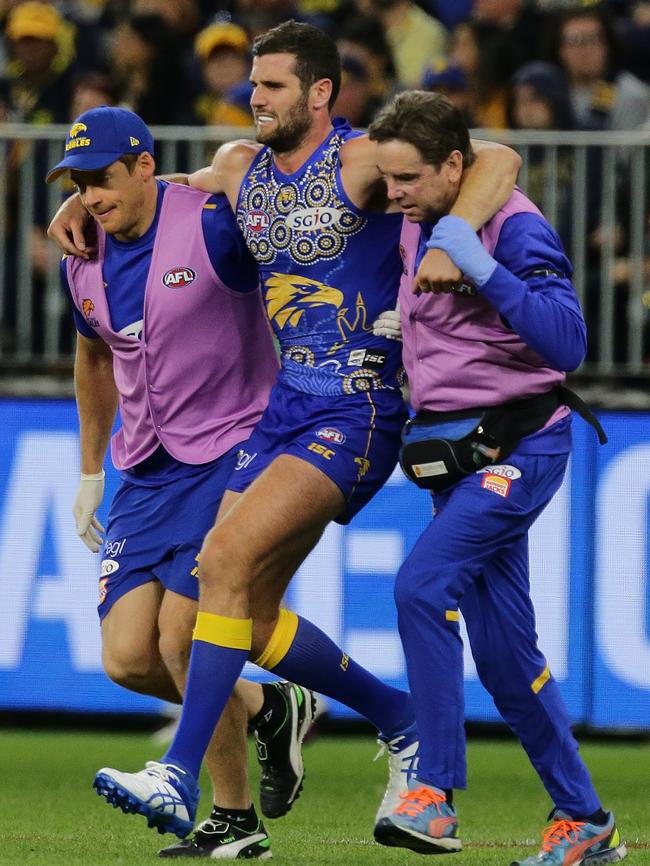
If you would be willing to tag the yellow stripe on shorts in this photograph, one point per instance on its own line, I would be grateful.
(223, 630)
(283, 636)
(543, 678)
(452, 615)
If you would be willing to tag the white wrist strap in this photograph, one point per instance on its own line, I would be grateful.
(98, 476)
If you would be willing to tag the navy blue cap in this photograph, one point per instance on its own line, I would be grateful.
(101, 136)
(444, 75)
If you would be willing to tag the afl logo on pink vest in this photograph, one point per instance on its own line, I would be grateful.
(257, 221)
(178, 278)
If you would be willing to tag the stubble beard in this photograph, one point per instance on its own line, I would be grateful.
(288, 136)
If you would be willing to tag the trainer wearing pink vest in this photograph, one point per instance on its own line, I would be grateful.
(172, 330)
(447, 335)
(190, 382)
(486, 357)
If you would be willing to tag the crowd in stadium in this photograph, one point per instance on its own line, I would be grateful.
(187, 61)
(508, 64)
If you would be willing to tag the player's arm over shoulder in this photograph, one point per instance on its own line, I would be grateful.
(488, 183)
(229, 166)
(361, 179)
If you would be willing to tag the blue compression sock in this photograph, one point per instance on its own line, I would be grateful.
(313, 660)
(213, 672)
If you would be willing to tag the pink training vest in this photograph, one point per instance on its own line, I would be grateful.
(199, 377)
(457, 352)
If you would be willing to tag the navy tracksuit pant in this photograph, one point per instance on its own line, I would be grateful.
(473, 557)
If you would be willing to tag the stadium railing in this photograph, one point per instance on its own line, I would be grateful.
(593, 186)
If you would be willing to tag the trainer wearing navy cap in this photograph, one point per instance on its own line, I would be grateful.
(101, 136)
(185, 410)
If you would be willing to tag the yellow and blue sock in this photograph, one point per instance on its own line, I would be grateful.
(220, 647)
(299, 651)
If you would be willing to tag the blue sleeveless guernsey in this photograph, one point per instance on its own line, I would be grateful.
(327, 269)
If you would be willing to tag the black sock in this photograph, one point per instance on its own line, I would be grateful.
(244, 818)
(274, 704)
(597, 817)
(449, 794)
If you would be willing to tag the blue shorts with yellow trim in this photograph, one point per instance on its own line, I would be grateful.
(155, 531)
(353, 439)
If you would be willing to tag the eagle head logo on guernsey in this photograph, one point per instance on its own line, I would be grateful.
(288, 296)
(178, 278)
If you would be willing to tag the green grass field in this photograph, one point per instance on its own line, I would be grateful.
(50, 815)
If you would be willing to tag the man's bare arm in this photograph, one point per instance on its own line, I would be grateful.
(73, 230)
(487, 184)
(485, 187)
(229, 166)
(96, 400)
(183, 179)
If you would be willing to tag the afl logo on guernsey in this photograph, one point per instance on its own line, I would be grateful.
(257, 221)
(178, 278)
(311, 219)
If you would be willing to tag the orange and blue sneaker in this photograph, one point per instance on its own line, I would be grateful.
(403, 758)
(423, 822)
(566, 842)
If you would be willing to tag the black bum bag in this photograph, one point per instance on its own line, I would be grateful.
(440, 448)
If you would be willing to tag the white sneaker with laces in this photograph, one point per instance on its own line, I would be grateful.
(403, 760)
(165, 794)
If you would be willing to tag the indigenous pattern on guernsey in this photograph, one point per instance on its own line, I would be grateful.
(328, 270)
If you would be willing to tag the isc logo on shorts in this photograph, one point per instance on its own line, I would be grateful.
(178, 278)
(319, 448)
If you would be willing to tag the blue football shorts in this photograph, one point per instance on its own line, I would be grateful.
(353, 439)
(155, 531)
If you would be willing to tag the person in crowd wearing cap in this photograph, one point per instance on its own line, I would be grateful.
(41, 44)
(39, 88)
(165, 314)
(223, 50)
(449, 79)
(539, 98)
(489, 441)
(311, 204)
(355, 101)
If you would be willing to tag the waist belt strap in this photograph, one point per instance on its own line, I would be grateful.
(571, 399)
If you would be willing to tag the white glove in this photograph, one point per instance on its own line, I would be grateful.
(388, 325)
(89, 498)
